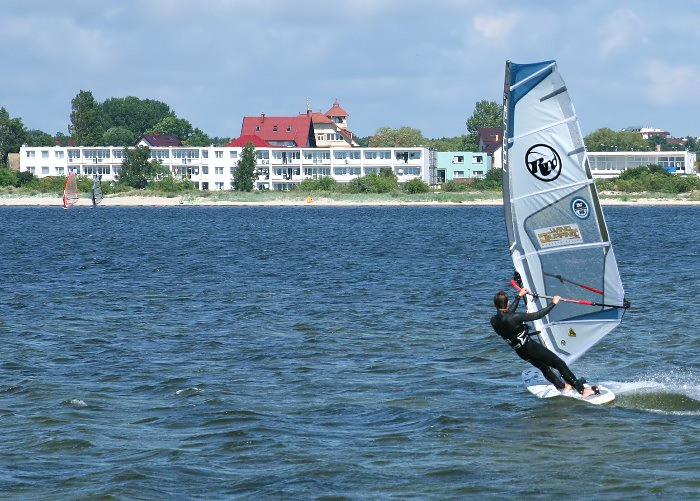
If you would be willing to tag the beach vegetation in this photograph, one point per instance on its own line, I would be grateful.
(650, 178)
(384, 182)
(325, 183)
(245, 173)
(12, 135)
(416, 185)
(486, 114)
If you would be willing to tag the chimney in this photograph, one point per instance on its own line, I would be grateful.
(263, 116)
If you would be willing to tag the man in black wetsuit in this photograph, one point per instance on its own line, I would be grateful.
(511, 327)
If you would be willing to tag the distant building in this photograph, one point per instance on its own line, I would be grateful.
(646, 132)
(306, 130)
(461, 165)
(158, 140)
(491, 143)
(607, 164)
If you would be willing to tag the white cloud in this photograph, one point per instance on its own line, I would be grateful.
(495, 27)
(669, 85)
(623, 30)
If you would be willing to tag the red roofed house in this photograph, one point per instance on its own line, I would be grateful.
(280, 131)
(307, 130)
(491, 142)
(158, 140)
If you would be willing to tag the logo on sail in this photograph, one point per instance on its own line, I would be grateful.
(579, 207)
(543, 162)
(556, 236)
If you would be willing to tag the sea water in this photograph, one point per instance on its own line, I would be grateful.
(326, 352)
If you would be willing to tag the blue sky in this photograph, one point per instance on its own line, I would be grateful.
(390, 63)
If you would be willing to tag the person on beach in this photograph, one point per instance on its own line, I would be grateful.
(511, 326)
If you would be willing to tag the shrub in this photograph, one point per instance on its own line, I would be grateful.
(8, 177)
(325, 183)
(416, 186)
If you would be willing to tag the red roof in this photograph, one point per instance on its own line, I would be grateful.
(336, 110)
(280, 131)
(250, 138)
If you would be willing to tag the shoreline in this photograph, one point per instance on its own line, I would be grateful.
(156, 201)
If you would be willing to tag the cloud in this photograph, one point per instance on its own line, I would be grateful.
(672, 85)
(495, 27)
(623, 30)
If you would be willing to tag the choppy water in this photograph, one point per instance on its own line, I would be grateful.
(308, 352)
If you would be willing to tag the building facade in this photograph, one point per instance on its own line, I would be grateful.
(461, 165)
(212, 168)
(608, 164)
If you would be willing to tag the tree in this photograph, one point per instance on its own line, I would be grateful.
(137, 115)
(86, 123)
(173, 125)
(37, 137)
(12, 135)
(486, 114)
(403, 136)
(198, 138)
(138, 169)
(244, 174)
(606, 139)
(118, 136)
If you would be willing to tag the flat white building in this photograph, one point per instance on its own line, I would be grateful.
(212, 168)
(608, 164)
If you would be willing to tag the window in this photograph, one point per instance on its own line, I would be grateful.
(289, 128)
(218, 170)
(458, 159)
(31, 154)
(45, 169)
(205, 154)
(219, 154)
(59, 171)
(459, 174)
(233, 154)
(219, 186)
(58, 153)
(44, 153)
(232, 170)
(205, 169)
(478, 160)
(257, 128)
(274, 128)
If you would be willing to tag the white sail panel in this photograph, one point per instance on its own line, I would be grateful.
(559, 242)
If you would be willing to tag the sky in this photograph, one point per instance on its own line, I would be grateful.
(389, 63)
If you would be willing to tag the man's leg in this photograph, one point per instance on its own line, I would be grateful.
(547, 371)
(546, 357)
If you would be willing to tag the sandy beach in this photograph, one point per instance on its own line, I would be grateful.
(154, 201)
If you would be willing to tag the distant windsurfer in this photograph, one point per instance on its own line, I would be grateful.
(511, 326)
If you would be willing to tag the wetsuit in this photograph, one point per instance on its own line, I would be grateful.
(510, 326)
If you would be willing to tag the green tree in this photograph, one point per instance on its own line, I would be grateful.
(403, 136)
(486, 114)
(137, 115)
(36, 137)
(118, 136)
(198, 138)
(606, 139)
(138, 169)
(86, 123)
(7, 177)
(244, 174)
(173, 125)
(448, 143)
(12, 135)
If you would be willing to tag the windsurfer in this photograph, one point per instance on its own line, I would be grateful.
(511, 326)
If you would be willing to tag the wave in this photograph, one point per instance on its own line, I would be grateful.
(663, 393)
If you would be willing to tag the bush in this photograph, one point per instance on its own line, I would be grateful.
(325, 183)
(372, 183)
(454, 186)
(8, 177)
(169, 185)
(416, 186)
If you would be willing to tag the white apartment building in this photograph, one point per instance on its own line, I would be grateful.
(211, 168)
(608, 164)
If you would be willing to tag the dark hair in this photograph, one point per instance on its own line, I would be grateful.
(500, 300)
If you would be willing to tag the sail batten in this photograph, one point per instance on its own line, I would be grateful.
(558, 237)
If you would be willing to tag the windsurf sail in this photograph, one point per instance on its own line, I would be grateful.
(96, 190)
(558, 238)
(70, 191)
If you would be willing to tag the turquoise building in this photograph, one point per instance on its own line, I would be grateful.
(461, 165)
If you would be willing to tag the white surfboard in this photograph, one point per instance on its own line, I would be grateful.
(536, 384)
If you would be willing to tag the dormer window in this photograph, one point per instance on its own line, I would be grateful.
(274, 128)
(289, 128)
(257, 128)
